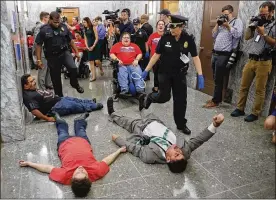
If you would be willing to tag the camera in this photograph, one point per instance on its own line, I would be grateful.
(111, 15)
(257, 21)
(221, 19)
(64, 19)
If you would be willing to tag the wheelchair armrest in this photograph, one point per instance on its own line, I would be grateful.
(114, 62)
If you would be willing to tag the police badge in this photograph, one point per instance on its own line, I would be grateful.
(186, 44)
(62, 29)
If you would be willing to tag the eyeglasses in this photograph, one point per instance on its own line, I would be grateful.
(174, 25)
(125, 37)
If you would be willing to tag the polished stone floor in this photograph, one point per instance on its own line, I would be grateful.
(238, 162)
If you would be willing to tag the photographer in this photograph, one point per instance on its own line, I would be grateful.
(262, 31)
(125, 25)
(226, 34)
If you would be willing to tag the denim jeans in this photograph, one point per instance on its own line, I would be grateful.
(80, 131)
(124, 77)
(71, 105)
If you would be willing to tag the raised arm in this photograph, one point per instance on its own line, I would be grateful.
(112, 157)
(40, 167)
(205, 135)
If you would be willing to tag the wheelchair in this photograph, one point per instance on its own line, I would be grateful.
(83, 71)
(115, 84)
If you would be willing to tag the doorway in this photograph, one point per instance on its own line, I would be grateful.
(212, 9)
(70, 12)
(172, 6)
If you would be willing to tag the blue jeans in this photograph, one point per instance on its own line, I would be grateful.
(80, 131)
(124, 77)
(71, 105)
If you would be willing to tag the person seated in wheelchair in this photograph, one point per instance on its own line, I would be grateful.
(129, 73)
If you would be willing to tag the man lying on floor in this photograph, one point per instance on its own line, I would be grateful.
(153, 142)
(41, 103)
(79, 166)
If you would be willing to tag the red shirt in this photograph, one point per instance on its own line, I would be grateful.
(30, 41)
(153, 41)
(75, 152)
(79, 43)
(77, 26)
(126, 54)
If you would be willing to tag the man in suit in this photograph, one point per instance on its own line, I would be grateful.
(153, 142)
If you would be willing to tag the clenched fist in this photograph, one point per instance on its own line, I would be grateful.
(218, 119)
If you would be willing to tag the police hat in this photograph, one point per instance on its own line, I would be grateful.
(165, 12)
(178, 19)
(136, 21)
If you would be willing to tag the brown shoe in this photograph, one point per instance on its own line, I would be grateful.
(210, 105)
(209, 101)
(273, 138)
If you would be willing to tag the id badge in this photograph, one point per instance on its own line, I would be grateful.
(184, 59)
(257, 39)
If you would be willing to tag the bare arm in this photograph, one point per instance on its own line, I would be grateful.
(152, 61)
(96, 36)
(112, 157)
(139, 56)
(39, 115)
(38, 50)
(73, 45)
(71, 28)
(215, 31)
(197, 65)
(271, 41)
(40, 167)
(147, 47)
(249, 33)
(85, 40)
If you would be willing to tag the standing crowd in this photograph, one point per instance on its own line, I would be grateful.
(137, 49)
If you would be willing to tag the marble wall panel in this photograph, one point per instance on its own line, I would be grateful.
(194, 11)
(12, 117)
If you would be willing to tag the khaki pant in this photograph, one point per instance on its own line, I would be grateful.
(260, 70)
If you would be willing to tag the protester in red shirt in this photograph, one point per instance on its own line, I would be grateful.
(80, 44)
(75, 26)
(79, 166)
(152, 44)
(128, 55)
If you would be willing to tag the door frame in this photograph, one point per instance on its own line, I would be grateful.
(71, 8)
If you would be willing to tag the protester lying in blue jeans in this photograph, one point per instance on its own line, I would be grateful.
(42, 103)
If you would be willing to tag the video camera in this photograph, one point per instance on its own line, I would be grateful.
(112, 15)
(63, 18)
(221, 19)
(259, 20)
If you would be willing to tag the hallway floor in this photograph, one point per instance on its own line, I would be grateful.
(237, 162)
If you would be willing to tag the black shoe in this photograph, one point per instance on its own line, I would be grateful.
(147, 102)
(80, 89)
(82, 117)
(141, 99)
(251, 118)
(99, 106)
(237, 113)
(110, 108)
(94, 100)
(185, 130)
(58, 119)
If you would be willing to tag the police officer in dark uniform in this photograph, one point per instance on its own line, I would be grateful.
(172, 50)
(56, 39)
(140, 37)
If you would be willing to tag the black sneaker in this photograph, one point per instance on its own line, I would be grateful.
(110, 108)
(141, 99)
(58, 119)
(82, 117)
(147, 102)
(80, 89)
(99, 106)
(185, 130)
(237, 113)
(251, 118)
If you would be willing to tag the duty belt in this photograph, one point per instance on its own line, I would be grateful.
(259, 57)
(222, 53)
